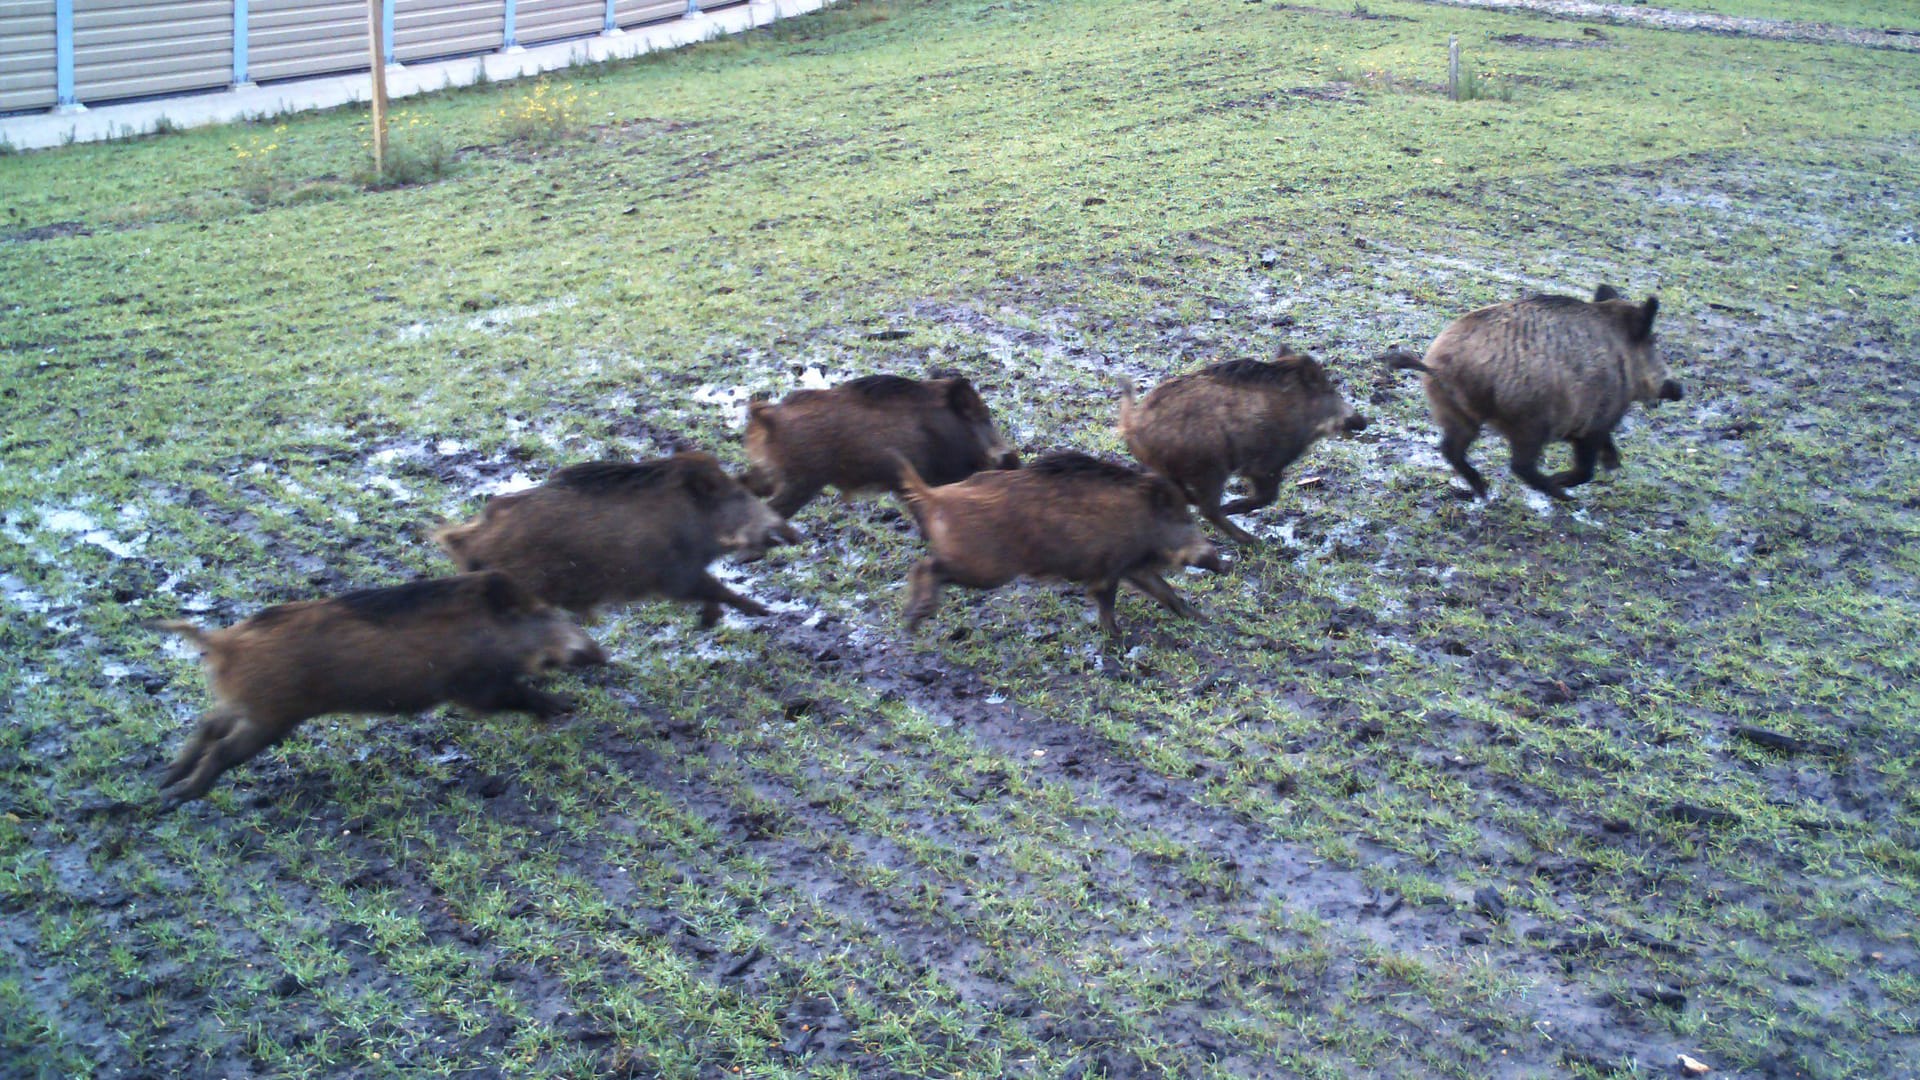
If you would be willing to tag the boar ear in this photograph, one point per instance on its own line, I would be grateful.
(1643, 319)
(965, 400)
(704, 479)
(1606, 292)
(760, 412)
(500, 594)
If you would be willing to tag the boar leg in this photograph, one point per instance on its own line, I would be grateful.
(1265, 490)
(1156, 586)
(1455, 437)
(923, 594)
(1609, 453)
(709, 589)
(1586, 454)
(213, 726)
(243, 739)
(1206, 496)
(1526, 447)
(501, 690)
(1103, 596)
(788, 500)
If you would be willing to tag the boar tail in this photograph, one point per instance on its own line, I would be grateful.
(915, 488)
(1401, 359)
(192, 633)
(1125, 386)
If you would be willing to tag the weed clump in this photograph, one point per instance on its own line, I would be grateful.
(417, 153)
(543, 116)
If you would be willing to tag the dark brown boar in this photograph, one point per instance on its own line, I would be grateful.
(470, 639)
(847, 437)
(1543, 369)
(609, 532)
(1241, 416)
(1067, 516)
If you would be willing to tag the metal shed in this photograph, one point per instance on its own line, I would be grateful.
(79, 52)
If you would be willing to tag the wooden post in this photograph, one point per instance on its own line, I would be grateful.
(378, 44)
(1453, 66)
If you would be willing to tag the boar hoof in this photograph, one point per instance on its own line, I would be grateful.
(709, 614)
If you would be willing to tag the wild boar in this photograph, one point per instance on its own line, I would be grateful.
(470, 639)
(1241, 416)
(1067, 516)
(1542, 369)
(609, 532)
(847, 437)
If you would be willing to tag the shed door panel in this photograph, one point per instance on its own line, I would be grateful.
(132, 48)
(289, 38)
(549, 20)
(427, 28)
(634, 12)
(26, 54)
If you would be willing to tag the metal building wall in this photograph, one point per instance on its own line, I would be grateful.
(549, 20)
(634, 12)
(427, 28)
(132, 48)
(288, 38)
(26, 54)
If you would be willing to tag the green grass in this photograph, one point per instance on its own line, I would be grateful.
(1004, 848)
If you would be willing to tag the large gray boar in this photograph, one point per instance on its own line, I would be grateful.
(471, 639)
(609, 532)
(1542, 369)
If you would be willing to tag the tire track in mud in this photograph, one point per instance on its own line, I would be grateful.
(1272, 871)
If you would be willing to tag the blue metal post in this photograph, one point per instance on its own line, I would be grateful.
(386, 27)
(611, 25)
(693, 7)
(512, 10)
(239, 42)
(63, 53)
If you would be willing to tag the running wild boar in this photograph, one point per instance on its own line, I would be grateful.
(847, 437)
(1067, 516)
(471, 640)
(1540, 370)
(609, 532)
(1241, 416)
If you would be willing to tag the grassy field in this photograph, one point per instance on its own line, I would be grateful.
(1500, 789)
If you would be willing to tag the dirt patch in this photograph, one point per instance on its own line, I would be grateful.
(1903, 40)
(59, 230)
(1595, 39)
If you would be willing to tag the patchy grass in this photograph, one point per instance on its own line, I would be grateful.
(1438, 788)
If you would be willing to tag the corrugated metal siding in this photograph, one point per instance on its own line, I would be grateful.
(26, 54)
(547, 20)
(131, 48)
(634, 12)
(429, 28)
(288, 38)
(709, 5)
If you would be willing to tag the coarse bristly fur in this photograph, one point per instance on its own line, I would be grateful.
(846, 437)
(470, 639)
(1542, 369)
(611, 532)
(1068, 516)
(1239, 417)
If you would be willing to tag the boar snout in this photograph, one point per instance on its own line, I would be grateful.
(1356, 422)
(1670, 390)
(1008, 458)
(1206, 557)
(784, 533)
(588, 655)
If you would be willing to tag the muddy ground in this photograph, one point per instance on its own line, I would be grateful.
(1491, 789)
